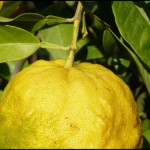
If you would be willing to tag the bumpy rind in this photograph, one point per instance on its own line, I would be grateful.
(87, 106)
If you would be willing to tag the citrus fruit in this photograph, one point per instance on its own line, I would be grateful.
(85, 106)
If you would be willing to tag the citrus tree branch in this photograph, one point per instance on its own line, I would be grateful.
(73, 45)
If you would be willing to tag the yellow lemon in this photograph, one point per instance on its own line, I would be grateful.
(86, 106)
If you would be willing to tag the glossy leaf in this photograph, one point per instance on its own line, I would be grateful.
(109, 44)
(16, 43)
(4, 71)
(11, 65)
(100, 24)
(93, 52)
(81, 43)
(145, 125)
(96, 22)
(53, 46)
(4, 19)
(87, 50)
(51, 20)
(143, 69)
(134, 27)
(27, 21)
(59, 35)
(146, 134)
(26, 17)
(33, 21)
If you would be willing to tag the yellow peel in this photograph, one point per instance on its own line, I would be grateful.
(87, 106)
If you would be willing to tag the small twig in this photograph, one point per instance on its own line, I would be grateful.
(70, 19)
(84, 29)
(32, 58)
(73, 47)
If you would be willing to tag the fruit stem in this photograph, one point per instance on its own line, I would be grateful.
(73, 45)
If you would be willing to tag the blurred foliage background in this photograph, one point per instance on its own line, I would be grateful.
(112, 33)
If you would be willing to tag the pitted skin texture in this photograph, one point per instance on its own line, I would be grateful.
(86, 106)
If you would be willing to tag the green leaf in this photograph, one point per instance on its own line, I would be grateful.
(33, 21)
(38, 25)
(81, 43)
(100, 24)
(11, 65)
(51, 20)
(16, 43)
(134, 27)
(96, 22)
(9, 7)
(93, 52)
(109, 43)
(146, 134)
(140, 102)
(70, 3)
(4, 71)
(146, 2)
(116, 56)
(26, 17)
(28, 21)
(145, 125)
(53, 46)
(87, 50)
(4, 19)
(124, 62)
(59, 35)
(144, 70)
